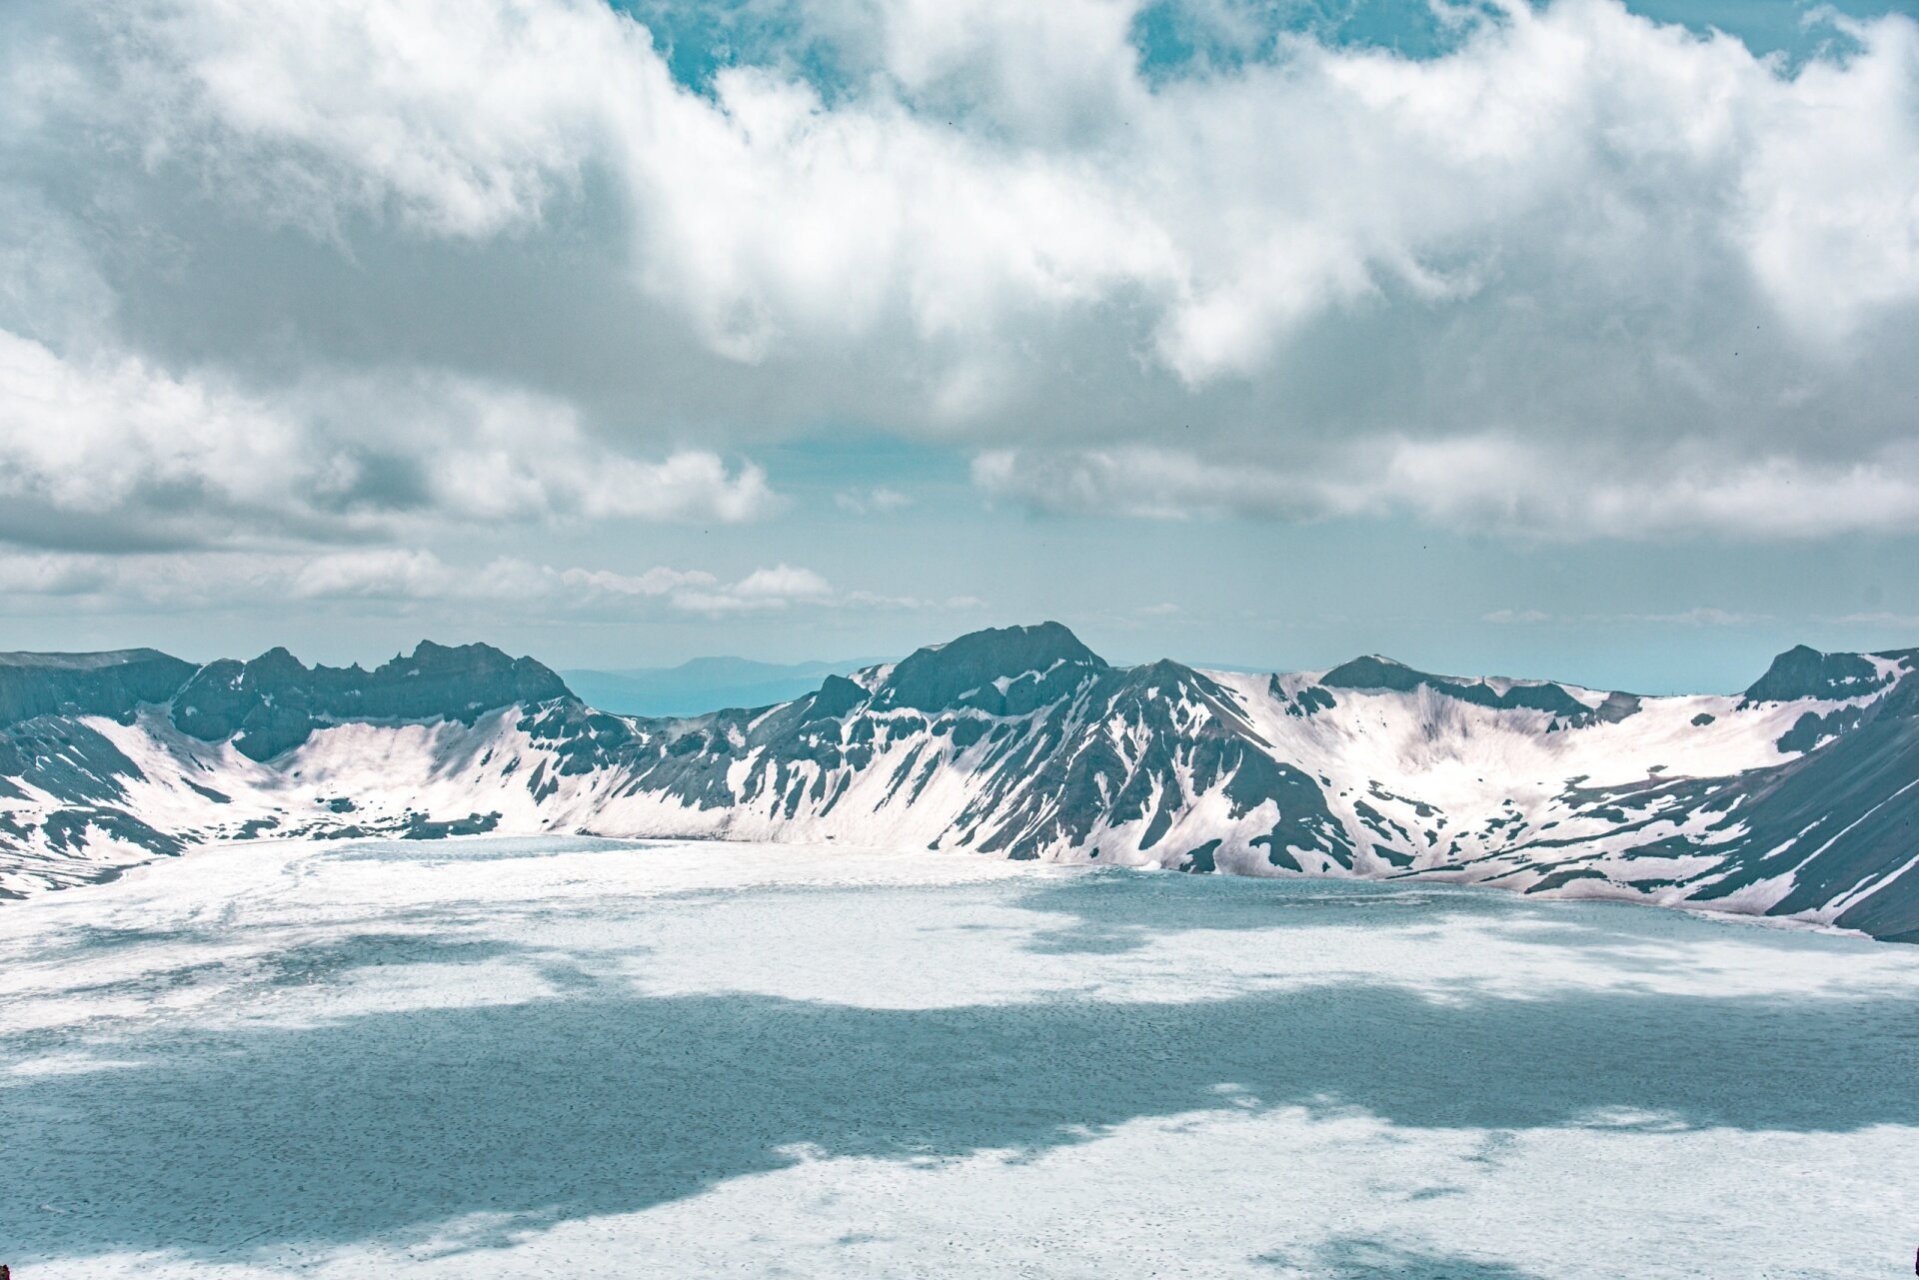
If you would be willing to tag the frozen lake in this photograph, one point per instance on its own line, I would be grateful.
(579, 1058)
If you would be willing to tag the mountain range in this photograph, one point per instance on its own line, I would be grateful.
(1798, 799)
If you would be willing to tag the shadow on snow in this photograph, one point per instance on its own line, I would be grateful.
(600, 1102)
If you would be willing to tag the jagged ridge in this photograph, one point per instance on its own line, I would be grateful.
(1799, 798)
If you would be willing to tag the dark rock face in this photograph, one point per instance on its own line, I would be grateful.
(265, 707)
(1620, 706)
(1842, 821)
(1045, 772)
(1066, 780)
(1804, 672)
(1040, 660)
(1810, 730)
(86, 684)
(70, 761)
(837, 696)
(1310, 701)
(1383, 673)
(1373, 672)
(274, 703)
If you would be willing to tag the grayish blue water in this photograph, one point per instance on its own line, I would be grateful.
(473, 1058)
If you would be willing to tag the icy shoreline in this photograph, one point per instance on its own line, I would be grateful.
(442, 1060)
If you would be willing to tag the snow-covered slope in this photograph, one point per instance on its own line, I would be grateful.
(1799, 798)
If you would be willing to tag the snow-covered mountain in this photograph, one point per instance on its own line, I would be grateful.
(1799, 798)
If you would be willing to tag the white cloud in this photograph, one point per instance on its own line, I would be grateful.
(55, 575)
(1878, 618)
(418, 575)
(1501, 483)
(170, 459)
(1155, 483)
(1498, 288)
(388, 573)
(782, 587)
(1830, 213)
(651, 583)
(772, 213)
(912, 604)
(783, 582)
(878, 500)
(508, 454)
(462, 121)
(112, 450)
(1702, 616)
(1507, 483)
(406, 578)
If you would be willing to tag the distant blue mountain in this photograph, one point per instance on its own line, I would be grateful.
(704, 684)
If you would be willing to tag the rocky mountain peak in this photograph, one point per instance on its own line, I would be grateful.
(1374, 672)
(982, 666)
(101, 684)
(274, 702)
(1804, 672)
(1019, 742)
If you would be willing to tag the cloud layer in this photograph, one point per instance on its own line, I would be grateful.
(114, 452)
(281, 276)
(411, 580)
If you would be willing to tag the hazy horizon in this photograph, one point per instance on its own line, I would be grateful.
(667, 683)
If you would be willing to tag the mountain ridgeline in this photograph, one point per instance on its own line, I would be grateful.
(1799, 798)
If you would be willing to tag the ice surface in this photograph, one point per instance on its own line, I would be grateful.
(583, 1058)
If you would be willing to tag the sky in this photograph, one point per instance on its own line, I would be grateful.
(1576, 340)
